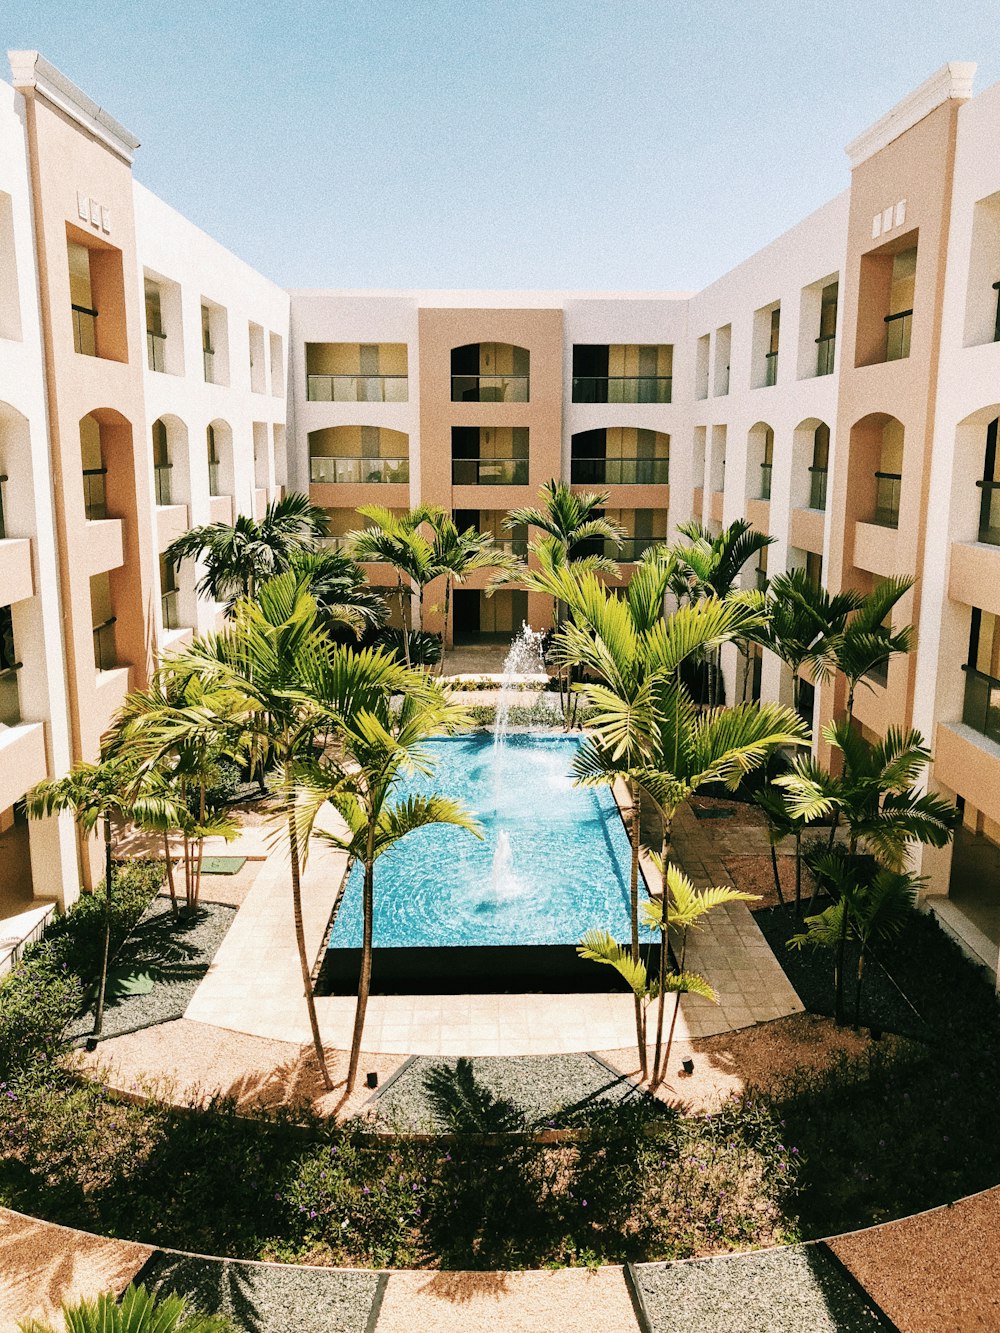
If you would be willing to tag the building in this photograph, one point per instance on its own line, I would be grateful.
(838, 389)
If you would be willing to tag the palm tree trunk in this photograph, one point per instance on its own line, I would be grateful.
(168, 862)
(674, 1015)
(365, 980)
(640, 1026)
(838, 1006)
(444, 632)
(300, 936)
(798, 872)
(403, 619)
(857, 992)
(106, 950)
(664, 950)
(777, 875)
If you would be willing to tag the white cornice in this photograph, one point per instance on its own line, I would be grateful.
(30, 69)
(953, 80)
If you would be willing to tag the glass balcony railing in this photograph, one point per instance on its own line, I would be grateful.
(630, 550)
(105, 655)
(156, 349)
(897, 335)
(887, 486)
(489, 472)
(622, 388)
(161, 479)
(170, 603)
(208, 362)
(981, 707)
(512, 545)
(817, 487)
(214, 481)
(3, 518)
(770, 369)
(340, 542)
(826, 346)
(10, 699)
(357, 388)
(989, 512)
(620, 471)
(489, 388)
(95, 502)
(355, 471)
(84, 330)
(765, 481)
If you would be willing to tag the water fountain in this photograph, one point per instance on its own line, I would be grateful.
(523, 662)
(504, 883)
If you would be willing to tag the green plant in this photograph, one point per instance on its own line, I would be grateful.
(139, 1311)
(417, 647)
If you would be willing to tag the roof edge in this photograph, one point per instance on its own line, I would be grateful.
(30, 69)
(952, 81)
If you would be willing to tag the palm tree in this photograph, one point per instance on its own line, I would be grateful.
(274, 666)
(344, 596)
(459, 554)
(782, 824)
(139, 1311)
(571, 520)
(867, 643)
(103, 793)
(397, 540)
(804, 625)
(377, 745)
(240, 556)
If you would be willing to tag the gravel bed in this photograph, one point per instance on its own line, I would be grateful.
(267, 1298)
(542, 1088)
(801, 1289)
(175, 954)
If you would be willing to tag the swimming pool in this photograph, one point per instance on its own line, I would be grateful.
(553, 862)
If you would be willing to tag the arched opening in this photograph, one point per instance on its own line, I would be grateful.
(171, 470)
(219, 448)
(760, 461)
(810, 464)
(620, 455)
(490, 373)
(875, 470)
(358, 454)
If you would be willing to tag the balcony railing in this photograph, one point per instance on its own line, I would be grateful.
(208, 362)
(622, 388)
(770, 369)
(989, 512)
(340, 471)
(156, 349)
(512, 545)
(981, 708)
(3, 519)
(340, 542)
(489, 472)
(817, 487)
(760, 579)
(95, 502)
(214, 481)
(630, 550)
(765, 481)
(10, 700)
(161, 479)
(897, 335)
(826, 345)
(620, 471)
(489, 388)
(357, 388)
(105, 656)
(170, 603)
(887, 486)
(84, 330)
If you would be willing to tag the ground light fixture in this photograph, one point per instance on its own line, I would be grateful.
(372, 1079)
(688, 1066)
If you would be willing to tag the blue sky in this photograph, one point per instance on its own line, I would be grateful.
(608, 144)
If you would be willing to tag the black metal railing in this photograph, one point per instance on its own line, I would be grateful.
(489, 388)
(622, 388)
(620, 471)
(84, 330)
(10, 699)
(340, 471)
(989, 512)
(161, 479)
(765, 480)
(887, 486)
(627, 552)
(357, 388)
(981, 706)
(770, 369)
(105, 656)
(826, 346)
(156, 349)
(817, 487)
(897, 335)
(3, 517)
(95, 503)
(489, 472)
(170, 603)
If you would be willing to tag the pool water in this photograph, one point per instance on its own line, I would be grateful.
(562, 866)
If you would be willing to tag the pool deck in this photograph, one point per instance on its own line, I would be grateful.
(254, 984)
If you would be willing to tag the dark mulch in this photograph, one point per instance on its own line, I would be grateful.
(801, 1289)
(175, 955)
(267, 1298)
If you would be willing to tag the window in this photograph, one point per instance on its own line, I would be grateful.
(623, 373)
(97, 297)
(214, 461)
(622, 455)
(701, 367)
(358, 454)
(720, 374)
(169, 594)
(767, 465)
(207, 349)
(155, 334)
(982, 301)
(215, 342)
(819, 467)
(490, 373)
(161, 463)
(10, 702)
(764, 352)
(981, 709)
(900, 317)
(888, 477)
(989, 504)
(489, 456)
(885, 302)
(352, 372)
(826, 343)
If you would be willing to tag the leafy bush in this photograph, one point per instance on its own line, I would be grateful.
(425, 647)
(138, 1312)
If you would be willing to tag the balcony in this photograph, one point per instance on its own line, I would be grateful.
(981, 706)
(171, 523)
(489, 388)
(967, 762)
(357, 388)
(887, 486)
(10, 700)
(806, 530)
(826, 347)
(989, 512)
(770, 369)
(161, 483)
(765, 481)
(170, 608)
(620, 471)
(84, 330)
(897, 335)
(22, 760)
(630, 550)
(220, 509)
(622, 388)
(489, 472)
(105, 653)
(358, 471)
(95, 504)
(817, 487)
(16, 580)
(156, 350)
(102, 547)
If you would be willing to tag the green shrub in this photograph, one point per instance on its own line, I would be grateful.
(425, 647)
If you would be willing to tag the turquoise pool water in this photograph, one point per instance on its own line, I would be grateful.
(566, 872)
